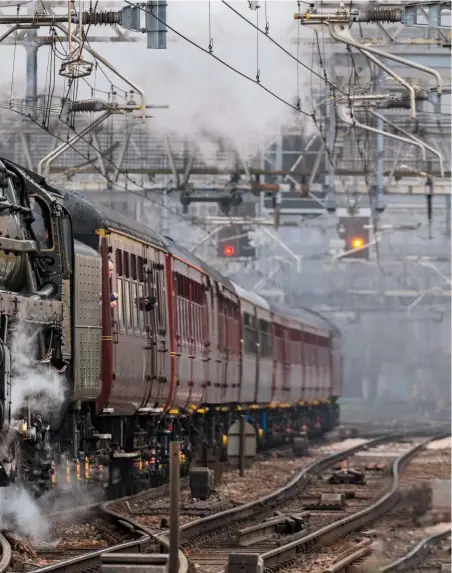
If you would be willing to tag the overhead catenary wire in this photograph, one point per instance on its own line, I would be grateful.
(229, 66)
(259, 30)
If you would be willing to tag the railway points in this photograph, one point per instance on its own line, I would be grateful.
(198, 530)
(339, 504)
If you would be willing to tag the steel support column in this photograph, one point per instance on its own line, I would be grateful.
(448, 215)
(380, 163)
(330, 199)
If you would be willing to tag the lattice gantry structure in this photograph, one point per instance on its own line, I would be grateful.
(306, 161)
(73, 61)
(388, 105)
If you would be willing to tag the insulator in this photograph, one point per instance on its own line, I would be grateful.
(99, 18)
(395, 104)
(87, 106)
(380, 15)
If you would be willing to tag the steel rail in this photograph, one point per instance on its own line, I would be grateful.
(417, 554)
(152, 541)
(6, 553)
(282, 555)
(218, 520)
(93, 559)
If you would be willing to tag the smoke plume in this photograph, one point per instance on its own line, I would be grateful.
(34, 383)
(20, 513)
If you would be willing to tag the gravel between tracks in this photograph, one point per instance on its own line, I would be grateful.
(211, 555)
(66, 539)
(259, 480)
(318, 559)
(69, 538)
(398, 536)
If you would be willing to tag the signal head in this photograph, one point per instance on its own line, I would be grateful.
(357, 243)
(228, 251)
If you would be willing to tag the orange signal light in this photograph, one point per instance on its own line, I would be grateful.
(228, 251)
(357, 243)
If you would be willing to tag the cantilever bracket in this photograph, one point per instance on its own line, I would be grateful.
(110, 67)
(342, 111)
(339, 31)
(342, 34)
(397, 78)
(44, 164)
(414, 138)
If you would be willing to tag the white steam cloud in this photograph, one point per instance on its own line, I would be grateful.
(36, 385)
(20, 513)
(33, 383)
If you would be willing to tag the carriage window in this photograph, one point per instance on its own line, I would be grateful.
(141, 310)
(250, 334)
(118, 256)
(140, 269)
(126, 267)
(133, 267)
(159, 295)
(265, 338)
(42, 225)
(127, 314)
(120, 304)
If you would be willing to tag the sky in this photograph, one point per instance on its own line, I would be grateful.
(202, 93)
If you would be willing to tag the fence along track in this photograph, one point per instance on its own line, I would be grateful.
(150, 541)
(6, 553)
(416, 556)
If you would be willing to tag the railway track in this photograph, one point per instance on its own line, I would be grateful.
(431, 554)
(312, 506)
(345, 528)
(320, 534)
(5, 548)
(147, 540)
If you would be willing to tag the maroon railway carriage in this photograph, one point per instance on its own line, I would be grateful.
(205, 348)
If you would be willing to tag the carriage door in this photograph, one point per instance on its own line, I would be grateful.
(162, 332)
(207, 335)
(146, 289)
(286, 342)
(152, 288)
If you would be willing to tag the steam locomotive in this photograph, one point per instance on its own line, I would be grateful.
(140, 333)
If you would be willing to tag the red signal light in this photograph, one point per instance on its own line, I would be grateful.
(228, 251)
